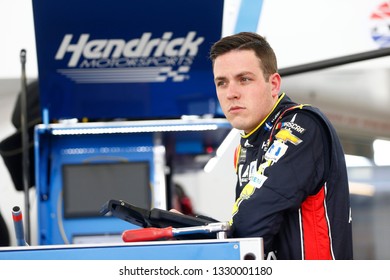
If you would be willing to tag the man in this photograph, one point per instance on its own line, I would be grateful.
(292, 188)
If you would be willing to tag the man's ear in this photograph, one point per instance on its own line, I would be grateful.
(276, 82)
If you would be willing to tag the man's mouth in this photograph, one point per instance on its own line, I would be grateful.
(234, 109)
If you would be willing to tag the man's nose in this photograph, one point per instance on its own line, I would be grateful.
(233, 91)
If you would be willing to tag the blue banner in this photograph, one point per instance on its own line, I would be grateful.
(132, 59)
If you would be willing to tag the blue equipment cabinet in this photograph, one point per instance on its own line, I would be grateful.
(79, 171)
(218, 249)
(79, 163)
(115, 80)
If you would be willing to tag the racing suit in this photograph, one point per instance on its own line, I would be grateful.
(292, 188)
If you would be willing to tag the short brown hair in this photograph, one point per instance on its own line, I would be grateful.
(247, 41)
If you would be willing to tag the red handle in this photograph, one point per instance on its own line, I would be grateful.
(146, 234)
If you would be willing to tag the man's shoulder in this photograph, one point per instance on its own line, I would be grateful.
(305, 112)
(306, 121)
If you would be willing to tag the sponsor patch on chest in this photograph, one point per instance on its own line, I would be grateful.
(258, 180)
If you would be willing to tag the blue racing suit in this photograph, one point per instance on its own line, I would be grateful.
(292, 188)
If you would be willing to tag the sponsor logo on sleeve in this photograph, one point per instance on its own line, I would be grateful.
(276, 151)
(293, 126)
(285, 135)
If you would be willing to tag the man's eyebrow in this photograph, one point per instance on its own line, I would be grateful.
(244, 73)
(219, 78)
(238, 75)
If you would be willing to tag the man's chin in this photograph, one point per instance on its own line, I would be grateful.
(238, 125)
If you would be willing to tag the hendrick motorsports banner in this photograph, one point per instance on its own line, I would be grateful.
(134, 59)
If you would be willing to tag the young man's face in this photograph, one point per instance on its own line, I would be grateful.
(245, 96)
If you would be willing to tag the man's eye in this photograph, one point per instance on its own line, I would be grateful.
(221, 83)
